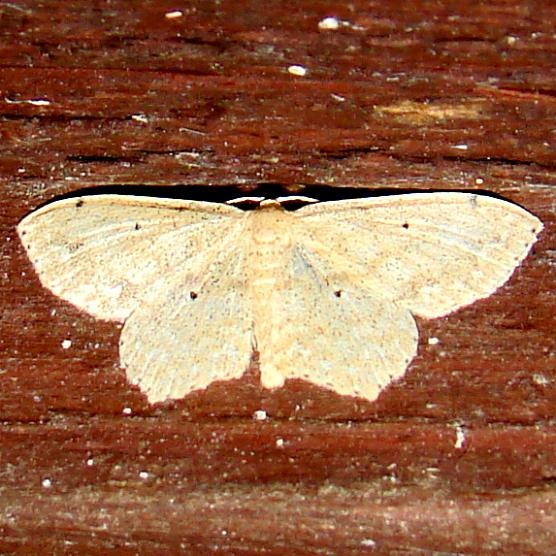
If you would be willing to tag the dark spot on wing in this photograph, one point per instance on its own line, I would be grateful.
(405, 225)
(74, 246)
(137, 226)
(79, 203)
(338, 293)
(193, 295)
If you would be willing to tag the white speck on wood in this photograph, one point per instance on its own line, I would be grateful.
(460, 437)
(329, 24)
(540, 380)
(260, 415)
(176, 14)
(143, 118)
(299, 71)
(39, 101)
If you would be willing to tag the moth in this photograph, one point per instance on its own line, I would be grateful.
(326, 293)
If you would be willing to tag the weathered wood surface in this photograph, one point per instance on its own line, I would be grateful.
(457, 457)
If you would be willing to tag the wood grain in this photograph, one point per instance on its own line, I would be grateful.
(457, 457)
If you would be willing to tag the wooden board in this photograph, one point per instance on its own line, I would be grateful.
(458, 456)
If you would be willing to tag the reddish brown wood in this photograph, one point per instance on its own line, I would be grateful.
(406, 95)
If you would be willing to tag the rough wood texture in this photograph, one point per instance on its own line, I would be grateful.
(456, 457)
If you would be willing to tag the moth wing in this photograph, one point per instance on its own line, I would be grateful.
(346, 340)
(432, 253)
(188, 339)
(106, 254)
